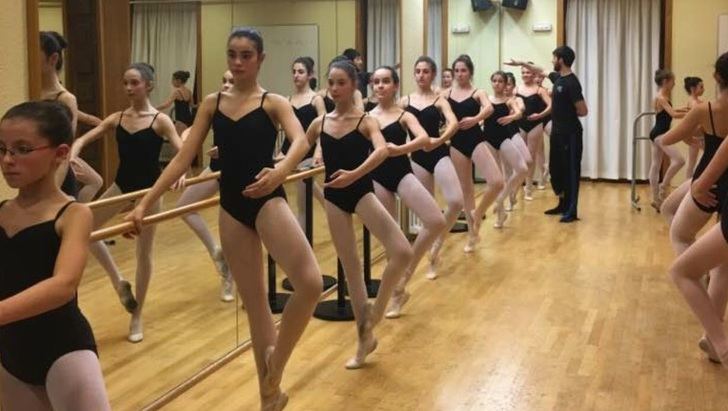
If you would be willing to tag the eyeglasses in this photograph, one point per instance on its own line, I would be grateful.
(21, 151)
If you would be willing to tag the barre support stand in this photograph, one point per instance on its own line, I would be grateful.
(276, 300)
(340, 308)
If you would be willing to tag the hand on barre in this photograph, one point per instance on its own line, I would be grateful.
(135, 216)
(266, 181)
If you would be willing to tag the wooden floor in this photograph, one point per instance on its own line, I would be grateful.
(543, 316)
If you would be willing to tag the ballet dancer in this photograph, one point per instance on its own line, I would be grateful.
(47, 348)
(695, 89)
(433, 164)
(253, 209)
(140, 131)
(468, 148)
(201, 191)
(347, 136)
(52, 44)
(538, 105)
(181, 98)
(665, 81)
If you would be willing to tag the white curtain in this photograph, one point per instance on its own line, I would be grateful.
(382, 33)
(434, 31)
(165, 36)
(617, 45)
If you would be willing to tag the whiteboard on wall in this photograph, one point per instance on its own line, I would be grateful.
(282, 45)
(722, 34)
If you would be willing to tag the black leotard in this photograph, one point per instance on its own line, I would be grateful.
(662, 124)
(182, 112)
(138, 157)
(29, 347)
(430, 119)
(712, 142)
(305, 114)
(534, 105)
(369, 105)
(494, 133)
(346, 153)
(245, 147)
(391, 172)
(329, 104)
(465, 141)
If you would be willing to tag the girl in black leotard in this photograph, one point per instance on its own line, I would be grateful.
(47, 348)
(347, 136)
(201, 191)
(515, 132)
(708, 194)
(79, 180)
(140, 131)
(433, 164)
(467, 147)
(695, 89)
(253, 209)
(307, 105)
(498, 134)
(538, 105)
(665, 81)
(181, 98)
(394, 177)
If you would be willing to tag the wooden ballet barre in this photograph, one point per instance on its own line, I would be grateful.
(128, 197)
(122, 228)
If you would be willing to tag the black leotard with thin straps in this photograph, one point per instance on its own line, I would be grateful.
(663, 120)
(534, 105)
(346, 153)
(392, 170)
(712, 142)
(138, 157)
(430, 119)
(305, 114)
(29, 347)
(494, 133)
(182, 112)
(245, 147)
(465, 141)
(370, 105)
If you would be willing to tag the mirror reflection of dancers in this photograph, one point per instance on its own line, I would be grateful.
(468, 148)
(140, 131)
(433, 164)
(253, 209)
(708, 194)
(47, 347)
(446, 78)
(394, 177)
(307, 105)
(181, 98)
(52, 44)
(347, 135)
(201, 191)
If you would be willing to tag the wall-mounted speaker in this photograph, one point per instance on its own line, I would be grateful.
(515, 4)
(481, 5)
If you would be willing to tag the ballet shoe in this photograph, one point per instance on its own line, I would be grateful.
(431, 273)
(501, 217)
(657, 205)
(274, 402)
(707, 347)
(126, 297)
(541, 186)
(395, 306)
(367, 341)
(227, 289)
(434, 259)
(528, 194)
(270, 384)
(136, 333)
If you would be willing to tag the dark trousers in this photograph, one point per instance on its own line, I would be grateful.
(565, 167)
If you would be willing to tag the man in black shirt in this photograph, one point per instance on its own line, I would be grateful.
(566, 136)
